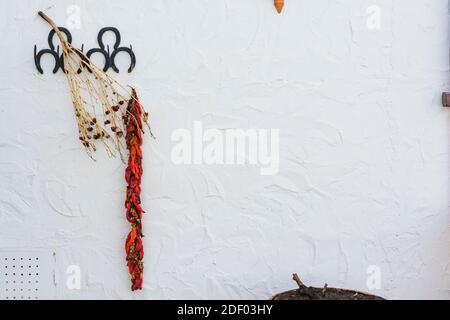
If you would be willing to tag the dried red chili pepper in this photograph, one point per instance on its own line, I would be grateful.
(133, 176)
(279, 4)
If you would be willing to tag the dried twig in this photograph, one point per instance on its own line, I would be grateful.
(296, 278)
(325, 288)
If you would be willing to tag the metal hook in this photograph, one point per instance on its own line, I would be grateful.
(108, 56)
(85, 59)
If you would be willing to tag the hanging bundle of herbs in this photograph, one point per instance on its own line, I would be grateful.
(105, 110)
(98, 100)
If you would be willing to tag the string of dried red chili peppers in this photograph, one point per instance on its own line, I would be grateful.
(133, 176)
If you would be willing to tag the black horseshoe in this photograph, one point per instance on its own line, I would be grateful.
(38, 56)
(101, 34)
(127, 50)
(102, 52)
(52, 34)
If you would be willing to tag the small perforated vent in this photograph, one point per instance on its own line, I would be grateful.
(24, 276)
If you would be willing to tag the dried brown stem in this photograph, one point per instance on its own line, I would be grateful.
(296, 278)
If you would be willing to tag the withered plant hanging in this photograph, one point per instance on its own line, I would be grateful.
(99, 101)
(109, 113)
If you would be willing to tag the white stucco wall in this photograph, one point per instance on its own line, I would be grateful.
(364, 149)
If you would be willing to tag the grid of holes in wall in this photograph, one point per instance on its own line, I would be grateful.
(20, 277)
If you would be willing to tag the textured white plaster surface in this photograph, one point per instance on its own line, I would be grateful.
(364, 168)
